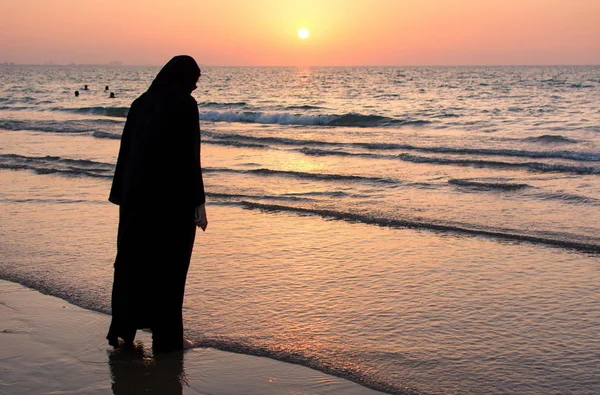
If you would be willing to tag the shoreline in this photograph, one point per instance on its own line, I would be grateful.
(53, 347)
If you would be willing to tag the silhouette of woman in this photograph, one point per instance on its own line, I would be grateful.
(159, 189)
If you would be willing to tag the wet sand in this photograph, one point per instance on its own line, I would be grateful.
(52, 347)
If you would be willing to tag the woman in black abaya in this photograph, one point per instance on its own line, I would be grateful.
(159, 189)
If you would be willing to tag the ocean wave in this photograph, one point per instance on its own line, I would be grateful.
(415, 224)
(265, 118)
(303, 175)
(212, 104)
(268, 140)
(563, 154)
(574, 155)
(235, 198)
(531, 166)
(16, 108)
(550, 139)
(373, 120)
(107, 135)
(57, 165)
(285, 118)
(67, 172)
(303, 107)
(322, 152)
(260, 139)
(504, 186)
(446, 115)
(566, 198)
(392, 96)
(68, 126)
(234, 143)
(20, 100)
(298, 358)
(336, 194)
(581, 86)
(117, 112)
(46, 126)
(56, 159)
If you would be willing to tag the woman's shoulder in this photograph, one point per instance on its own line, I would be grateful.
(143, 98)
(188, 104)
(169, 103)
(191, 101)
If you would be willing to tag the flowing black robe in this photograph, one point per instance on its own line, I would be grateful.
(157, 185)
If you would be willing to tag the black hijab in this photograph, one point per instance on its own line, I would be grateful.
(181, 72)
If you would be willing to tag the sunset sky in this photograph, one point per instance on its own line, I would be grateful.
(264, 32)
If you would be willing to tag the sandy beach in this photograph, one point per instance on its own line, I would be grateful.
(52, 347)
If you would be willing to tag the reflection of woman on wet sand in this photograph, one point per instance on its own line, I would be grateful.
(158, 187)
(134, 372)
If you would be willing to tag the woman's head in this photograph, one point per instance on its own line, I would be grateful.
(182, 71)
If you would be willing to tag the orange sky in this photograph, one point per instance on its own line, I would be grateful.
(263, 32)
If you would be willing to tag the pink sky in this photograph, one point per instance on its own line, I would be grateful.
(263, 32)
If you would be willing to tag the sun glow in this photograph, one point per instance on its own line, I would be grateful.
(303, 33)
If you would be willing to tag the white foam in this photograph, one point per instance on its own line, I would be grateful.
(266, 117)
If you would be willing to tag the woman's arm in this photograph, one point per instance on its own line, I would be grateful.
(200, 217)
(197, 181)
(116, 190)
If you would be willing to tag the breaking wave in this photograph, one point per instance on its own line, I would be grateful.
(67, 126)
(286, 118)
(117, 112)
(563, 154)
(57, 165)
(212, 104)
(416, 224)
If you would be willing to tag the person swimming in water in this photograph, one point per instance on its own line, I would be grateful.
(106, 88)
(85, 88)
(112, 95)
(76, 93)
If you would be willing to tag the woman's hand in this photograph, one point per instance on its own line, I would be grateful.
(200, 217)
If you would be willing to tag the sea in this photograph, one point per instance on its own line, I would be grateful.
(417, 230)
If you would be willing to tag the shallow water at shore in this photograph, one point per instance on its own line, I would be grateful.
(50, 346)
(390, 308)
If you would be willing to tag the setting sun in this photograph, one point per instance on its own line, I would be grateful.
(303, 33)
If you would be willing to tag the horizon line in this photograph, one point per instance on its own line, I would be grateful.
(112, 64)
